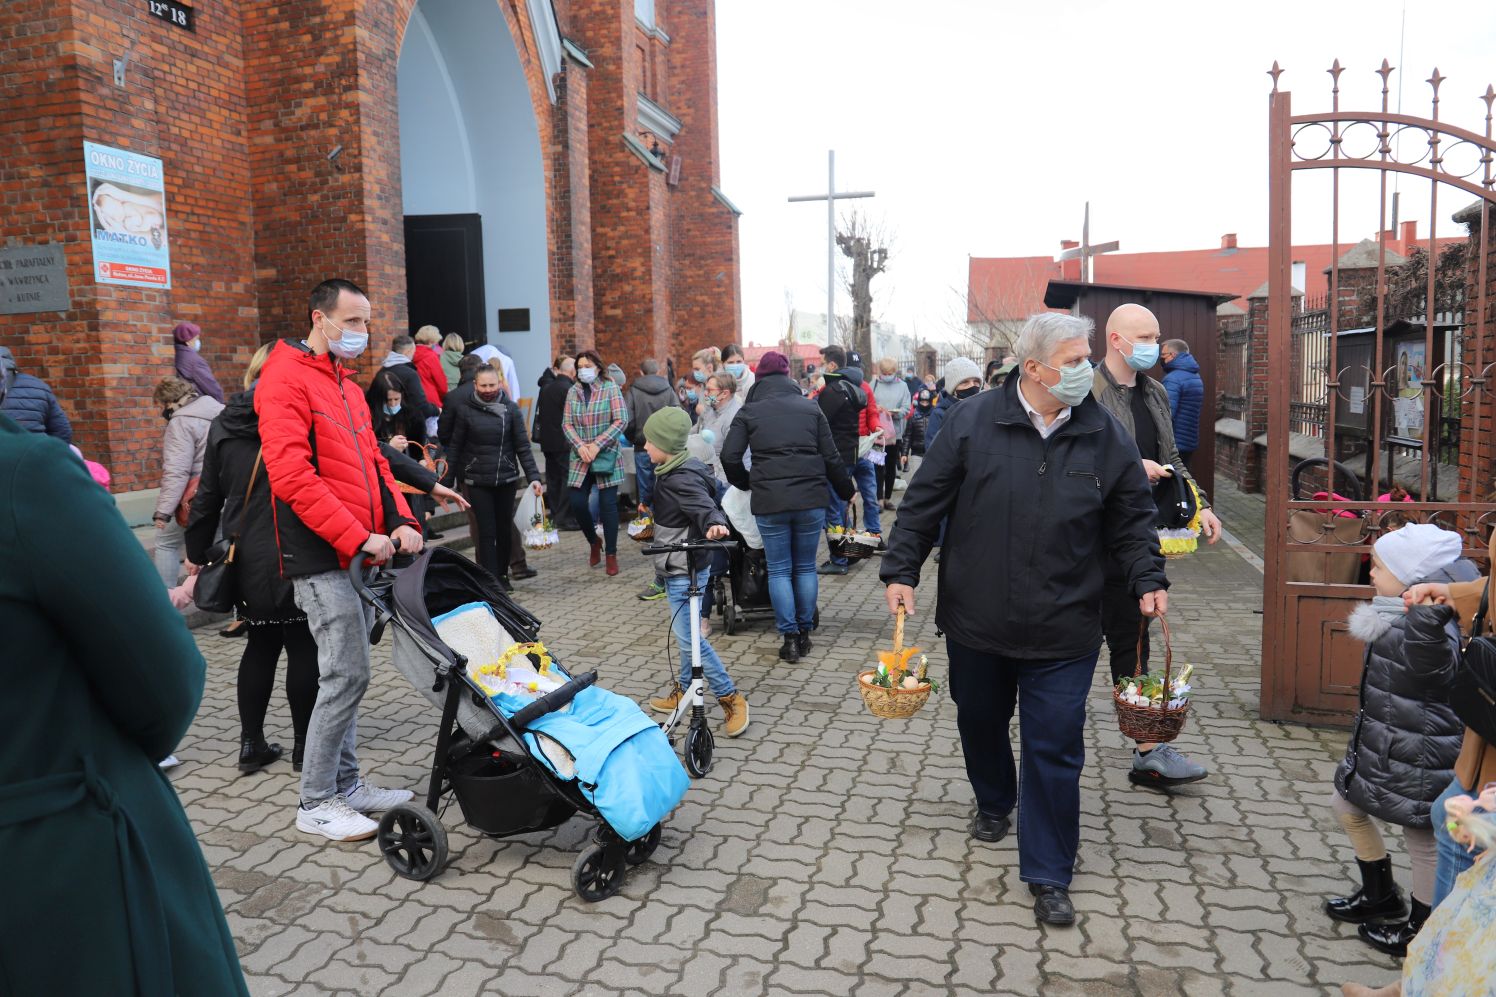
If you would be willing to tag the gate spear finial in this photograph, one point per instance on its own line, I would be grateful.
(1275, 72)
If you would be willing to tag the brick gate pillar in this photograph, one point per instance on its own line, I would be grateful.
(1478, 459)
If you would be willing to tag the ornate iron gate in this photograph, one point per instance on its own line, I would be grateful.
(1407, 398)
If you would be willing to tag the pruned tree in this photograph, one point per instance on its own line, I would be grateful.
(866, 245)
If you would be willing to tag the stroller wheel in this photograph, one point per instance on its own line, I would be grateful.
(699, 747)
(598, 873)
(412, 841)
(640, 851)
(729, 619)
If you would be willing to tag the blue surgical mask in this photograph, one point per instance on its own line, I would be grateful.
(1143, 355)
(699, 375)
(348, 345)
(1075, 383)
(392, 411)
(691, 396)
(736, 369)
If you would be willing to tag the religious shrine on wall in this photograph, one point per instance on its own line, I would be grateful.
(539, 174)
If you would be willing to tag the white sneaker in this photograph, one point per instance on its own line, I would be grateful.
(367, 799)
(169, 762)
(334, 818)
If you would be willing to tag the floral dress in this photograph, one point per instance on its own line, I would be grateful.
(1454, 954)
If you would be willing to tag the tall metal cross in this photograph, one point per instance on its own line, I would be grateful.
(831, 196)
(1086, 251)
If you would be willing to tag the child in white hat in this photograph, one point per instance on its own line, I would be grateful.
(1406, 737)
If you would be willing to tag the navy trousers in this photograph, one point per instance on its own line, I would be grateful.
(1051, 701)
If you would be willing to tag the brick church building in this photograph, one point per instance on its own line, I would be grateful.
(539, 174)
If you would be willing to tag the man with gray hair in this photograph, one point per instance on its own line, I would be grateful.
(1042, 488)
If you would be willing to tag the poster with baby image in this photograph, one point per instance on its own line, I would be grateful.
(127, 212)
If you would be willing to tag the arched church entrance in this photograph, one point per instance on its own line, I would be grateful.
(473, 184)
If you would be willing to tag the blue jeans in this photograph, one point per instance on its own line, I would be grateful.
(1052, 694)
(717, 678)
(790, 543)
(607, 505)
(1453, 859)
(644, 471)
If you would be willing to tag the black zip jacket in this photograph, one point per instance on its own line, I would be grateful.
(1032, 524)
(489, 448)
(842, 402)
(685, 507)
(550, 412)
(793, 453)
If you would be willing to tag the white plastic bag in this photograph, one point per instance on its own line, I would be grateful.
(737, 504)
(536, 530)
(529, 507)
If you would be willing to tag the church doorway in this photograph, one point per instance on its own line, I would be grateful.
(473, 184)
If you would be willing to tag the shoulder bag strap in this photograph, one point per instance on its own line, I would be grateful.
(1478, 625)
(244, 508)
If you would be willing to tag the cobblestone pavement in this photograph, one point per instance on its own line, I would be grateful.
(826, 852)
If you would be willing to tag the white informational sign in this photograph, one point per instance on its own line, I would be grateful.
(1358, 401)
(127, 216)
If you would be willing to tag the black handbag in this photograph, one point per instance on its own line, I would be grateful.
(1175, 501)
(1473, 693)
(217, 588)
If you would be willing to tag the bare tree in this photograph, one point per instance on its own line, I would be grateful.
(866, 245)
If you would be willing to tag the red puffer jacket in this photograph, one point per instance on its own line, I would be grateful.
(333, 488)
(433, 378)
(868, 418)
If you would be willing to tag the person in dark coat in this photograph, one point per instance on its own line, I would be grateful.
(29, 401)
(1041, 487)
(400, 363)
(1406, 736)
(191, 367)
(106, 890)
(490, 451)
(550, 410)
(794, 456)
(965, 379)
(916, 433)
(1186, 395)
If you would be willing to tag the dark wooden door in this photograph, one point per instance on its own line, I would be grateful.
(444, 275)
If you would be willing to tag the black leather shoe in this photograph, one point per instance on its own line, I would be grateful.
(255, 754)
(789, 650)
(504, 584)
(802, 643)
(985, 827)
(1393, 938)
(522, 573)
(1052, 905)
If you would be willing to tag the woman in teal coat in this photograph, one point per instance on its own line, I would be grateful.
(106, 890)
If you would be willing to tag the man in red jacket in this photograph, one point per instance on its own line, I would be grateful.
(334, 496)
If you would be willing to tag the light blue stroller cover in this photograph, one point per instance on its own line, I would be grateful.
(619, 759)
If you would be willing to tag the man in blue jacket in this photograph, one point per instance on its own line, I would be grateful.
(1186, 396)
(30, 402)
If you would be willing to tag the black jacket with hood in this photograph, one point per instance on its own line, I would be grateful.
(647, 395)
(793, 453)
(685, 507)
(1032, 525)
(842, 401)
(490, 447)
(550, 412)
(1406, 737)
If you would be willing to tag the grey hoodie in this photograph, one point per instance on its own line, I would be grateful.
(647, 395)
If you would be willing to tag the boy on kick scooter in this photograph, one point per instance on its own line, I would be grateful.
(685, 509)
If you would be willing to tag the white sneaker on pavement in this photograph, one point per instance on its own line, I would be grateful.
(334, 818)
(169, 762)
(367, 799)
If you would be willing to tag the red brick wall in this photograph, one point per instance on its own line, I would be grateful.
(570, 216)
(1478, 456)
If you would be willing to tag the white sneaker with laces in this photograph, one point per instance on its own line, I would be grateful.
(334, 818)
(367, 799)
(169, 762)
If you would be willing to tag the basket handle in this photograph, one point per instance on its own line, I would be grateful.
(1137, 669)
(898, 631)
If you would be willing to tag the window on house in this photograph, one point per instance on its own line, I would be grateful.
(644, 10)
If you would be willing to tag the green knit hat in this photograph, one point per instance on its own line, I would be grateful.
(668, 429)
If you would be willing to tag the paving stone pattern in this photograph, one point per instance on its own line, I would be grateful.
(825, 853)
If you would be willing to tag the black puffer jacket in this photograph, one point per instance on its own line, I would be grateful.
(685, 507)
(1032, 524)
(793, 453)
(1406, 737)
(228, 463)
(842, 402)
(550, 412)
(489, 447)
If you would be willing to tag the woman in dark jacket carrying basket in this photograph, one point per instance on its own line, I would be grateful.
(793, 457)
(489, 449)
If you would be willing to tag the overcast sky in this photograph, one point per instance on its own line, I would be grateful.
(984, 127)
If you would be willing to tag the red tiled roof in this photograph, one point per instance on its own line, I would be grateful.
(805, 351)
(1013, 287)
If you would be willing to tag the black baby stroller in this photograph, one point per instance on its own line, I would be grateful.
(508, 768)
(742, 591)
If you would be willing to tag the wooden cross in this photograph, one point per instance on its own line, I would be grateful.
(1086, 251)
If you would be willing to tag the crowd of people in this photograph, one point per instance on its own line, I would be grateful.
(1044, 456)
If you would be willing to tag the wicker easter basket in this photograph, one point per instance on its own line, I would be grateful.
(896, 703)
(644, 534)
(845, 545)
(542, 535)
(1151, 724)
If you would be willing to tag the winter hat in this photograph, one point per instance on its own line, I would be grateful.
(1417, 551)
(668, 429)
(616, 375)
(959, 369)
(185, 332)
(773, 362)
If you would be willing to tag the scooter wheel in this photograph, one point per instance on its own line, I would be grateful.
(699, 748)
(729, 619)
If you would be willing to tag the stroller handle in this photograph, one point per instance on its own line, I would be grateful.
(552, 701)
(358, 573)
(687, 546)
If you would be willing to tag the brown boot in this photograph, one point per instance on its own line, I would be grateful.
(735, 714)
(596, 555)
(612, 568)
(668, 703)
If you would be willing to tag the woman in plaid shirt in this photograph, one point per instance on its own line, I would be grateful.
(593, 424)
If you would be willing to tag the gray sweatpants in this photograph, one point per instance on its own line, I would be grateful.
(340, 627)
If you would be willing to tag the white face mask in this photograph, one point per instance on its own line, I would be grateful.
(348, 345)
(197, 345)
(587, 375)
